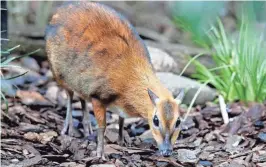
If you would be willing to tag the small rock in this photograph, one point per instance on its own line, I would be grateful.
(52, 93)
(146, 135)
(31, 76)
(205, 163)
(161, 61)
(174, 83)
(30, 63)
(111, 135)
(187, 156)
(182, 53)
(262, 136)
(7, 88)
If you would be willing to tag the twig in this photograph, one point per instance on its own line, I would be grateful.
(223, 109)
(242, 154)
(190, 61)
(194, 99)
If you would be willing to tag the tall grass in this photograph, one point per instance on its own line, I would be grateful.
(240, 72)
(5, 61)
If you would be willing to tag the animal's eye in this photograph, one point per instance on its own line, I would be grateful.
(177, 123)
(156, 121)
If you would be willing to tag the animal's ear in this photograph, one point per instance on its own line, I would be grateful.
(153, 96)
(180, 96)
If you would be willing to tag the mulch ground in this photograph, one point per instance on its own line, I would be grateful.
(30, 132)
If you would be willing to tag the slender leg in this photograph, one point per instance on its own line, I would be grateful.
(86, 118)
(100, 114)
(121, 129)
(68, 121)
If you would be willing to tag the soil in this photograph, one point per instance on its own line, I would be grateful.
(30, 132)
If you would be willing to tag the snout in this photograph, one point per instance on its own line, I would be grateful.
(166, 153)
(166, 149)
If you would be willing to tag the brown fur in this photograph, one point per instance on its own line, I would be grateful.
(95, 53)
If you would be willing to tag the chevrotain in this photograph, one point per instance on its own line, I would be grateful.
(96, 53)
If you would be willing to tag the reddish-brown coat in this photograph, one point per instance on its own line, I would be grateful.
(96, 53)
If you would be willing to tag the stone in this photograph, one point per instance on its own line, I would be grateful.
(7, 88)
(31, 76)
(52, 93)
(205, 163)
(182, 53)
(161, 61)
(187, 156)
(174, 83)
(30, 63)
(262, 136)
(111, 135)
(146, 135)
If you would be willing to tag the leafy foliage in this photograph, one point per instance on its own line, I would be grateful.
(240, 72)
(241, 65)
(5, 64)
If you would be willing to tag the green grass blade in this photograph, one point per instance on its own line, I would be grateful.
(5, 100)
(16, 76)
(190, 61)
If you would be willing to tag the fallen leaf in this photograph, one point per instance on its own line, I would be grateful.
(32, 98)
(42, 137)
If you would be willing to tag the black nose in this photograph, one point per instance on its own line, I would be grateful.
(166, 153)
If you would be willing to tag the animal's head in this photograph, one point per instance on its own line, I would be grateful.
(164, 121)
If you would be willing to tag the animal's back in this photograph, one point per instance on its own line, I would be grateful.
(95, 51)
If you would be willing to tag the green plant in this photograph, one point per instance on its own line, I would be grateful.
(195, 18)
(5, 65)
(240, 72)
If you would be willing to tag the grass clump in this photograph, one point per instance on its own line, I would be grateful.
(5, 61)
(240, 72)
